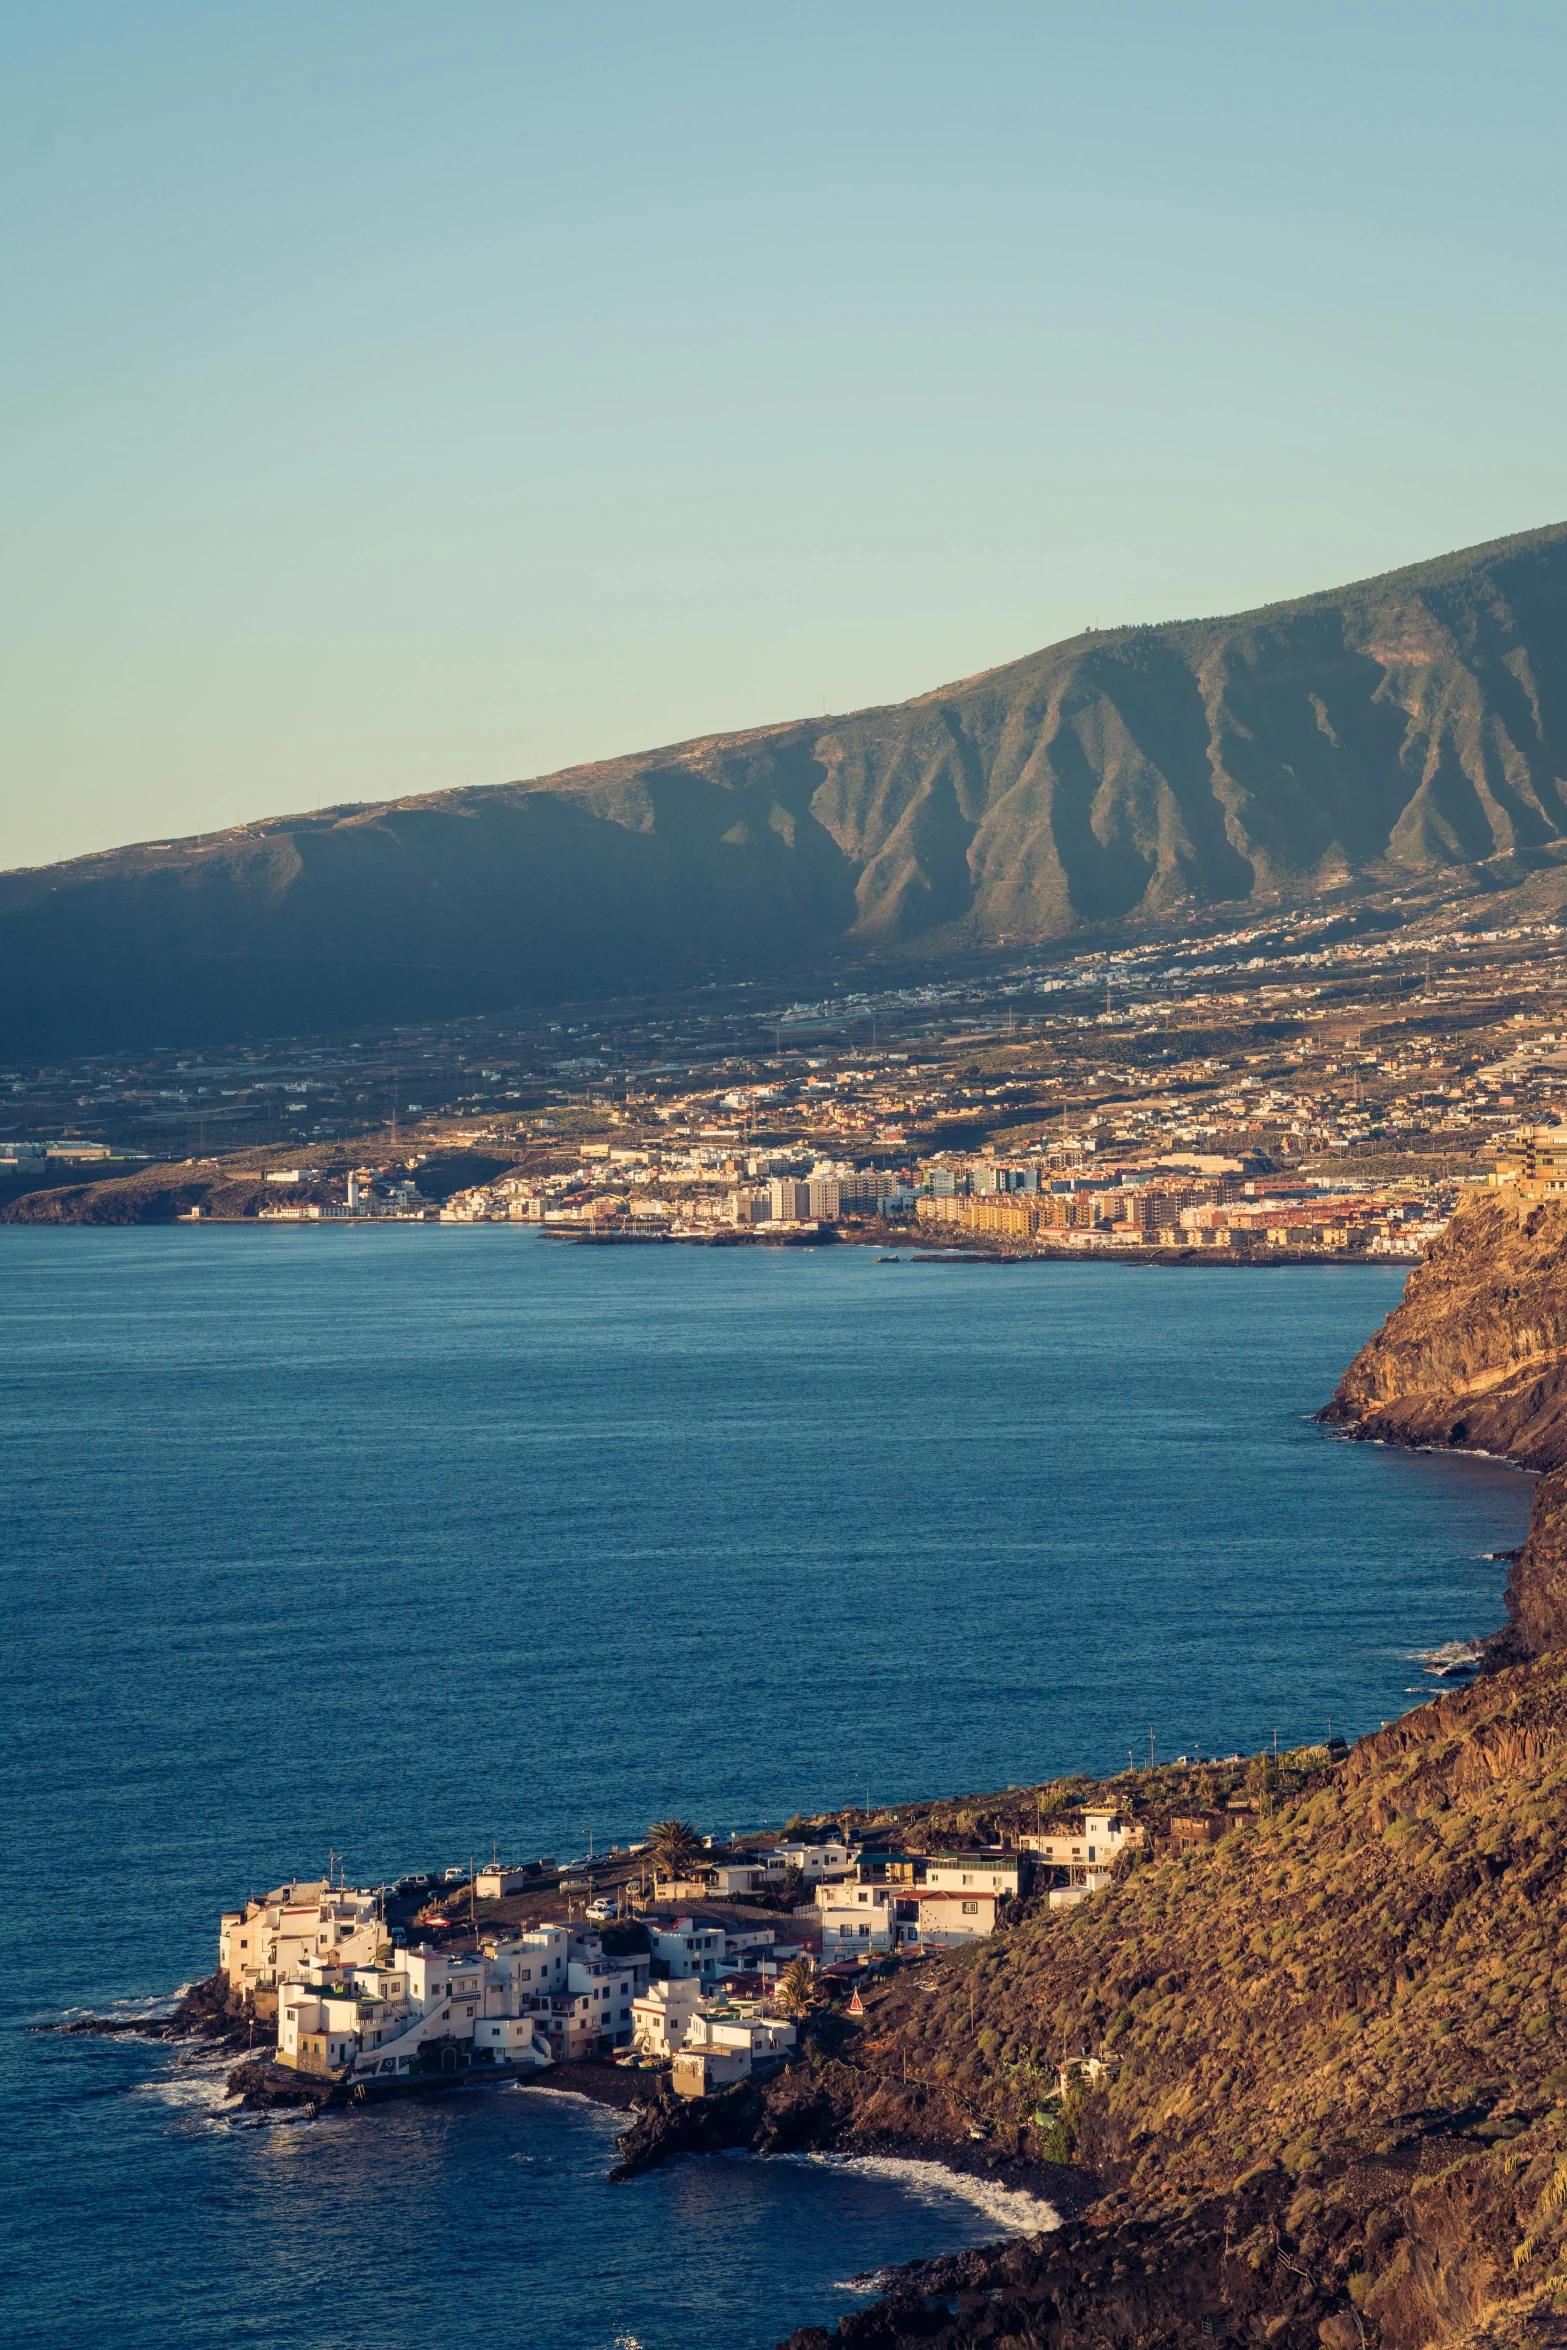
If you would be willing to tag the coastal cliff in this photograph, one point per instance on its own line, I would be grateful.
(1332, 2103)
(1475, 1357)
(1329, 2104)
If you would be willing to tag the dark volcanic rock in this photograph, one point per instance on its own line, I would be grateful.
(1475, 1357)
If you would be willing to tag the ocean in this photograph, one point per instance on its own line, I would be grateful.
(406, 1544)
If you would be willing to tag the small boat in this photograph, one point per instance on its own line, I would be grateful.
(889, 1260)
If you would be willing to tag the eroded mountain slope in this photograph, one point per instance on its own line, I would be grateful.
(1409, 726)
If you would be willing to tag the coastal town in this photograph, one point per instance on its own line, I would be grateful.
(1326, 1087)
(683, 1956)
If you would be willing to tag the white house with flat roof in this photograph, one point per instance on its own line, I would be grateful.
(947, 1920)
(662, 2015)
(1102, 1838)
(1004, 1874)
(814, 1861)
(687, 1945)
(859, 1920)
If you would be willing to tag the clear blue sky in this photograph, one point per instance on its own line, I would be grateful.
(397, 396)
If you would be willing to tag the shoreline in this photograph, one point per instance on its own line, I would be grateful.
(920, 1252)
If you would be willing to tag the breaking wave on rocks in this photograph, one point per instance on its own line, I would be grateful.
(1015, 2211)
(1452, 1658)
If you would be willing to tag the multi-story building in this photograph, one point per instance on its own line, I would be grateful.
(662, 2015)
(1533, 1161)
(861, 1921)
(1079, 1861)
(687, 1945)
(791, 1200)
(274, 1935)
(1012, 1215)
(443, 2010)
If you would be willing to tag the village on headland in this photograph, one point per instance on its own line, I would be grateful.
(682, 1964)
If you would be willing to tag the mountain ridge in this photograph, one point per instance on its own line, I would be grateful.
(1411, 727)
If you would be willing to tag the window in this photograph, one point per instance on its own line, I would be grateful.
(971, 1909)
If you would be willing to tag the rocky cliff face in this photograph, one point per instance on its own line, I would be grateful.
(1333, 2110)
(1408, 727)
(1332, 2113)
(1476, 1356)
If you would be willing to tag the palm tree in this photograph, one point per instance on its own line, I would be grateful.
(674, 1847)
(797, 1993)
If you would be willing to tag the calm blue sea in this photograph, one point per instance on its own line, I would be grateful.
(407, 1543)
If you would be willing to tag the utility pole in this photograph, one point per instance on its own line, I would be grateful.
(1152, 1750)
(473, 1892)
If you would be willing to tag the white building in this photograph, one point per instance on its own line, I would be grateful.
(737, 1876)
(1080, 1861)
(1005, 1874)
(857, 1920)
(275, 1935)
(949, 1919)
(662, 2016)
(813, 1861)
(1104, 1835)
(688, 1945)
(493, 1884)
(755, 2036)
(431, 2010)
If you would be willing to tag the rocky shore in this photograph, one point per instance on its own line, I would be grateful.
(203, 2011)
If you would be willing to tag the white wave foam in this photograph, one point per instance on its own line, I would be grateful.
(1453, 1656)
(154, 2008)
(196, 2095)
(1015, 2211)
(608, 2113)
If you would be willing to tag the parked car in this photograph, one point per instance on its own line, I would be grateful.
(603, 1909)
(454, 1876)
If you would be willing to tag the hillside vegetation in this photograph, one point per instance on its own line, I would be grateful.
(1328, 2108)
(1408, 728)
(1334, 2099)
